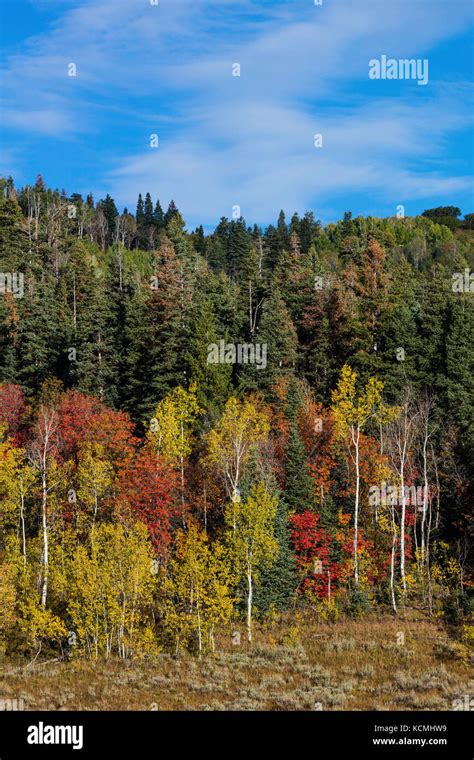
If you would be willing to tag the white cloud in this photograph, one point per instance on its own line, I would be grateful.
(249, 141)
(42, 121)
(268, 160)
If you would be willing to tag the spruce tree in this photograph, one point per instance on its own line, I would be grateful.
(213, 380)
(140, 214)
(148, 210)
(158, 216)
(38, 344)
(277, 338)
(278, 582)
(299, 487)
(170, 213)
(110, 212)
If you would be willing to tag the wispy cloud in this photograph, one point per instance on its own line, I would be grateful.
(268, 159)
(245, 140)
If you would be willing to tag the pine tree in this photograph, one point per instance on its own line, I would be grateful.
(238, 248)
(136, 363)
(38, 336)
(278, 582)
(148, 210)
(199, 240)
(212, 380)
(282, 232)
(140, 214)
(169, 306)
(158, 216)
(299, 487)
(277, 338)
(170, 213)
(460, 365)
(92, 349)
(110, 212)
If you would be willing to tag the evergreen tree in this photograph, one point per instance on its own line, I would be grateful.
(278, 582)
(212, 380)
(299, 487)
(140, 214)
(308, 230)
(170, 213)
(199, 240)
(110, 212)
(277, 337)
(148, 210)
(38, 336)
(238, 246)
(283, 234)
(137, 364)
(158, 216)
(459, 389)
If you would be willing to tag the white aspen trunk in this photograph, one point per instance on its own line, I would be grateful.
(199, 629)
(120, 270)
(249, 606)
(425, 498)
(30, 221)
(428, 564)
(356, 508)
(392, 562)
(37, 204)
(182, 486)
(22, 520)
(96, 506)
(44, 590)
(401, 448)
(182, 475)
(435, 464)
(403, 456)
(402, 529)
(250, 308)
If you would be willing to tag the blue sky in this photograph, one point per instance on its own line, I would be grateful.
(245, 141)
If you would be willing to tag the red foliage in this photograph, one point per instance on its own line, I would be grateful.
(147, 491)
(76, 411)
(12, 410)
(316, 430)
(114, 431)
(312, 546)
(85, 419)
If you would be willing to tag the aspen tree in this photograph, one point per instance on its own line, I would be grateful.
(16, 480)
(171, 428)
(240, 429)
(94, 475)
(352, 414)
(252, 539)
(42, 456)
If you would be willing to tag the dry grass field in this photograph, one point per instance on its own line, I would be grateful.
(379, 663)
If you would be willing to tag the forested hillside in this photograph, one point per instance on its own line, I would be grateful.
(198, 429)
